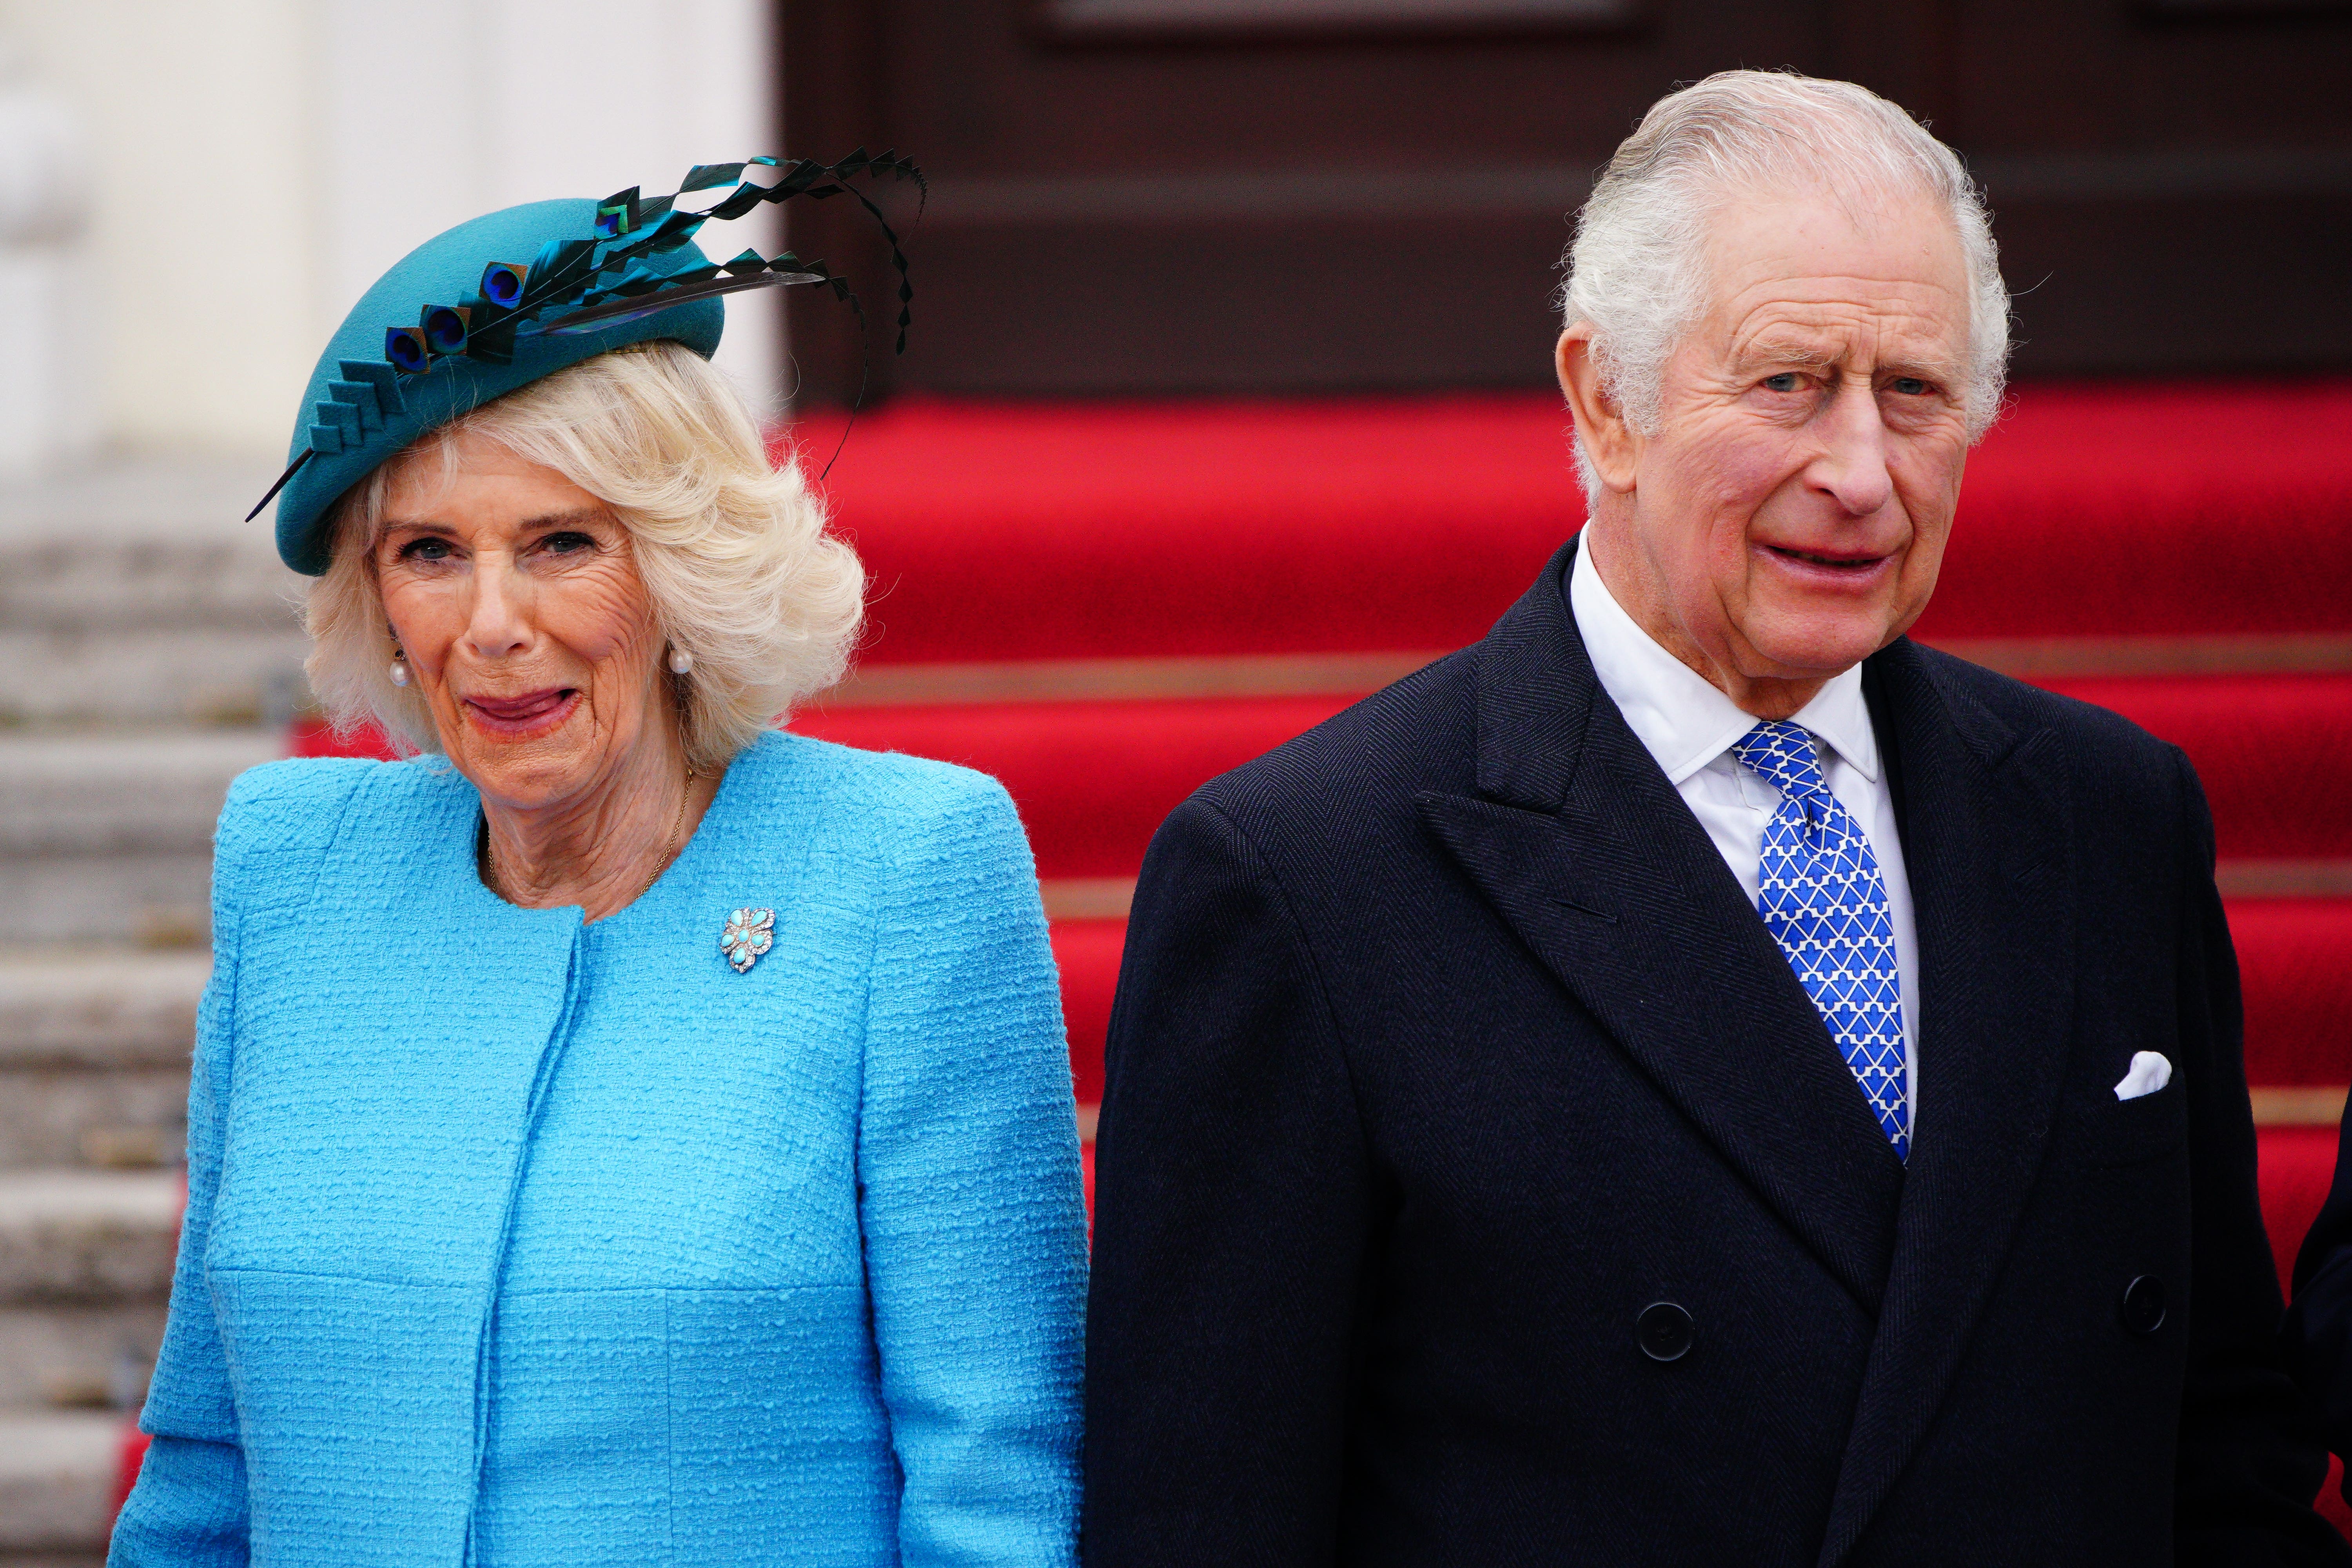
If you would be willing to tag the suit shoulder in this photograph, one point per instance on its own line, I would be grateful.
(2108, 763)
(1365, 762)
(285, 804)
(886, 802)
(279, 816)
(2090, 732)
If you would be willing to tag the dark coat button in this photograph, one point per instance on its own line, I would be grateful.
(2143, 1310)
(1664, 1330)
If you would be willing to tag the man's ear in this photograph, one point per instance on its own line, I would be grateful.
(1608, 441)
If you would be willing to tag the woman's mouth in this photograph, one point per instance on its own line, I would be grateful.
(520, 717)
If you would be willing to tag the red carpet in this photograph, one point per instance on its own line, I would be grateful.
(2274, 752)
(2295, 957)
(2298, 1163)
(1009, 532)
(1093, 779)
(1088, 953)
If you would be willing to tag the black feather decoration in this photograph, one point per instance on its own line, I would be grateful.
(586, 272)
(628, 309)
(604, 278)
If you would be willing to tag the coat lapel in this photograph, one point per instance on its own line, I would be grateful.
(1579, 843)
(1988, 852)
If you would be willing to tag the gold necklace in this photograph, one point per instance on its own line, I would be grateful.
(677, 843)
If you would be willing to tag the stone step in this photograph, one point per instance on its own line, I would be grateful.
(125, 1119)
(94, 1047)
(98, 1008)
(138, 594)
(81, 1238)
(57, 1470)
(78, 1356)
(106, 836)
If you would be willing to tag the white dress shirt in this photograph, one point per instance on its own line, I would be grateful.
(1689, 727)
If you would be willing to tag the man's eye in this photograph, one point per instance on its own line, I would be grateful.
(1787, 381)
(1908, 386)
(426, 550)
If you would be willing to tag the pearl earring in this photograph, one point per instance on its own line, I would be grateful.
(400, 672)
(680, 661)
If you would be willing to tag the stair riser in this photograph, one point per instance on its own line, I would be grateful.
(2274, 752)
(106, 838)
(99, 1010)
(68, 1117)
(2296, 956)
(2294, 959)
(1094, 780)
(95, 844)
(79, 586)
(141, 677)
(116, 899)
(87, 1263)
(49, 1351)
(110, 793)
(71, 1238)
(161, 630)
(58, 1475)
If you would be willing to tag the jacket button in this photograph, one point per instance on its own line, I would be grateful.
(1664, 1330)
(2142, 1308)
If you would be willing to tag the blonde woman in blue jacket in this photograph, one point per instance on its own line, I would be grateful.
(621, 1133)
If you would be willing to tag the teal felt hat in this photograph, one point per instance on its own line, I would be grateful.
(501, 301)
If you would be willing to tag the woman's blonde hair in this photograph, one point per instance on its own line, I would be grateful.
(734, 551)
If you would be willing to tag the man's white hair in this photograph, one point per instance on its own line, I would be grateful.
(1637, 268)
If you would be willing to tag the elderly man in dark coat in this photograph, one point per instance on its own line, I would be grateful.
(1696, 1078)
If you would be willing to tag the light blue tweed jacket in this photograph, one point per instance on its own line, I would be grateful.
(516, 1242)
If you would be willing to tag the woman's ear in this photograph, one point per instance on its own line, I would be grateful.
(1611, 445)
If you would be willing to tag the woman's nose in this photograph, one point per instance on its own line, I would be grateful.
(499, 625)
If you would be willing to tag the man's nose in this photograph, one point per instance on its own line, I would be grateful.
(1852, 464)
(499, 625)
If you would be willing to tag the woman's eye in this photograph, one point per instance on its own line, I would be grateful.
(1787, 381)
(426, 550)
(567, 543)
(1908, 386)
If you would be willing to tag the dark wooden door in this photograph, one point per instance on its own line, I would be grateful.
(1169, 196)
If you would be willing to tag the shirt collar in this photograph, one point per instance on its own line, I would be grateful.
(1685, 723)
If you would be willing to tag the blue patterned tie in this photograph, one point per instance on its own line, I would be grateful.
(1824, 902)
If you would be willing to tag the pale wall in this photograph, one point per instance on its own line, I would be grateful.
(257, 163)
(198, 119)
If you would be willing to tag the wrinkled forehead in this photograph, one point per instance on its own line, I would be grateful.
(415, 485)
(1823, 263)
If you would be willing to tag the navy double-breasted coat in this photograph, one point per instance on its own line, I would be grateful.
(1447, 1051)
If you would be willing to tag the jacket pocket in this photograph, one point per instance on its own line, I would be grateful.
(2131, 1132)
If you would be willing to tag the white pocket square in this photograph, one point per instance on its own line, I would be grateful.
(2149, 1072)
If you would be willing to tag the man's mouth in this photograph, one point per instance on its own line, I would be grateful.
(1820, 558)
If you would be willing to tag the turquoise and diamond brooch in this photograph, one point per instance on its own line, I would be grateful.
(749, 934)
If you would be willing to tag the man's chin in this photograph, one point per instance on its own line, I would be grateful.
(1817, 647)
